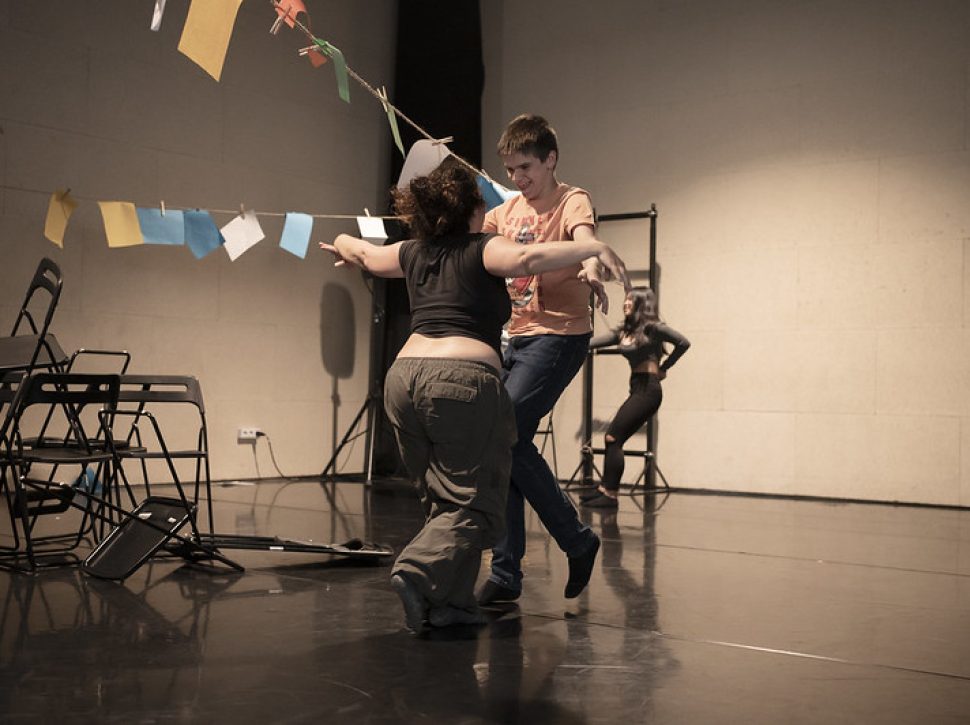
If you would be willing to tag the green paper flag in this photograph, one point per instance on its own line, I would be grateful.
(339, 67)
(392, 119)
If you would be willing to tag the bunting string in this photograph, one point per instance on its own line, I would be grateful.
(190, 208)
(377, 95)
(128, 225)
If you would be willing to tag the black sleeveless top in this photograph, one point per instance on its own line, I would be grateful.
(451, 291)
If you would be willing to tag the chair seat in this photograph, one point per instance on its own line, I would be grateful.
(57, 442)
(16, 352)
(63, 455)
(141, 453)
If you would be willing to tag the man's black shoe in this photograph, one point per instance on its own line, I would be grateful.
(580, 569)
(600, 501)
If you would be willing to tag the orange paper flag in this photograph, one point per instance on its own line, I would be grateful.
(317, 58)
(289, 9)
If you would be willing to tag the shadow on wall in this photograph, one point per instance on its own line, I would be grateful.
(337, 343)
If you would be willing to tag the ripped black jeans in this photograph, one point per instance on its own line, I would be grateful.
(645, 397)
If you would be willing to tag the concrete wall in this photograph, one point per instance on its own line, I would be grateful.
(809, 159)
(91, 99)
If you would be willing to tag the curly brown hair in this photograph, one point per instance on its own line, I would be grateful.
(440, 204)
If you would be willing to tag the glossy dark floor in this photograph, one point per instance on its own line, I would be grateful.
(702, 609)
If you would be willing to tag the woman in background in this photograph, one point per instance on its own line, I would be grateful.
(452, 418)
(640, 339)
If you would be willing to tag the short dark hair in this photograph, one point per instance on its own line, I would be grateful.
(528, 134)
(440, 204)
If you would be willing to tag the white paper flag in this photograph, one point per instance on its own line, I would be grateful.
(372, 229)
(424, 157)
(241, 233)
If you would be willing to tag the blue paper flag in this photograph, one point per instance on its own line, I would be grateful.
(493, 194)
(201, 233)
(158, 229)
(296, 233)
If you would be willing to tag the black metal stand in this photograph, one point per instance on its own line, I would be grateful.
(650, 469)
(368, 412)
(355, 548)
(586, 467)
(371, 408)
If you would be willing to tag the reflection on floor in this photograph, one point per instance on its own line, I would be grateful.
(702, 609)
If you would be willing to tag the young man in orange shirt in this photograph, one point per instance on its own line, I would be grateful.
(549, 337)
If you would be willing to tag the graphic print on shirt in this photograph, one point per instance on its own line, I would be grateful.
(523, 289)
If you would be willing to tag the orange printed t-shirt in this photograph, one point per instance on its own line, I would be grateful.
(551, 303)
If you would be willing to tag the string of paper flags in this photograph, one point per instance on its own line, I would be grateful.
(208, 30)
(205, 40)
(128, 225)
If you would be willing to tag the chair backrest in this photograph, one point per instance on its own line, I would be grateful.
(68, 392)
(48, 278)
(120, 358)
(144, 392)
(161, 389)
(68, 389)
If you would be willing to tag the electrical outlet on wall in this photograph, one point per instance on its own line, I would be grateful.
(247, 435)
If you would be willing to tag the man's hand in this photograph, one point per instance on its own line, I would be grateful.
(614, 268)
(590, 274)
(608, 265)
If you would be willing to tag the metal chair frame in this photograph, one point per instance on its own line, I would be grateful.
(28, 496)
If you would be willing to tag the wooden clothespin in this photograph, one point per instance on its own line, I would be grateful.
(161, 205)
(282, 16)
(366, 211)
(242, 210)
(446, 139)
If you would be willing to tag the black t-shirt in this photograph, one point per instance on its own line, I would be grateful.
(451, 291)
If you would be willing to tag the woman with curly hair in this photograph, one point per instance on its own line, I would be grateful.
(640, 339)
(453, 420)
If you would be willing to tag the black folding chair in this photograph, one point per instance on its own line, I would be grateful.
(31, 345)
(144, 399)
(119, 359)
(146, 396)
(154, 522)
(137, 530)
(27, 474)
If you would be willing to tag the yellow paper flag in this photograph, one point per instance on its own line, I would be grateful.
(121, 223)
(59, 210)
(205, 36)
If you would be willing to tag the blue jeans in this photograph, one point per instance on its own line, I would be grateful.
(536, 371)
